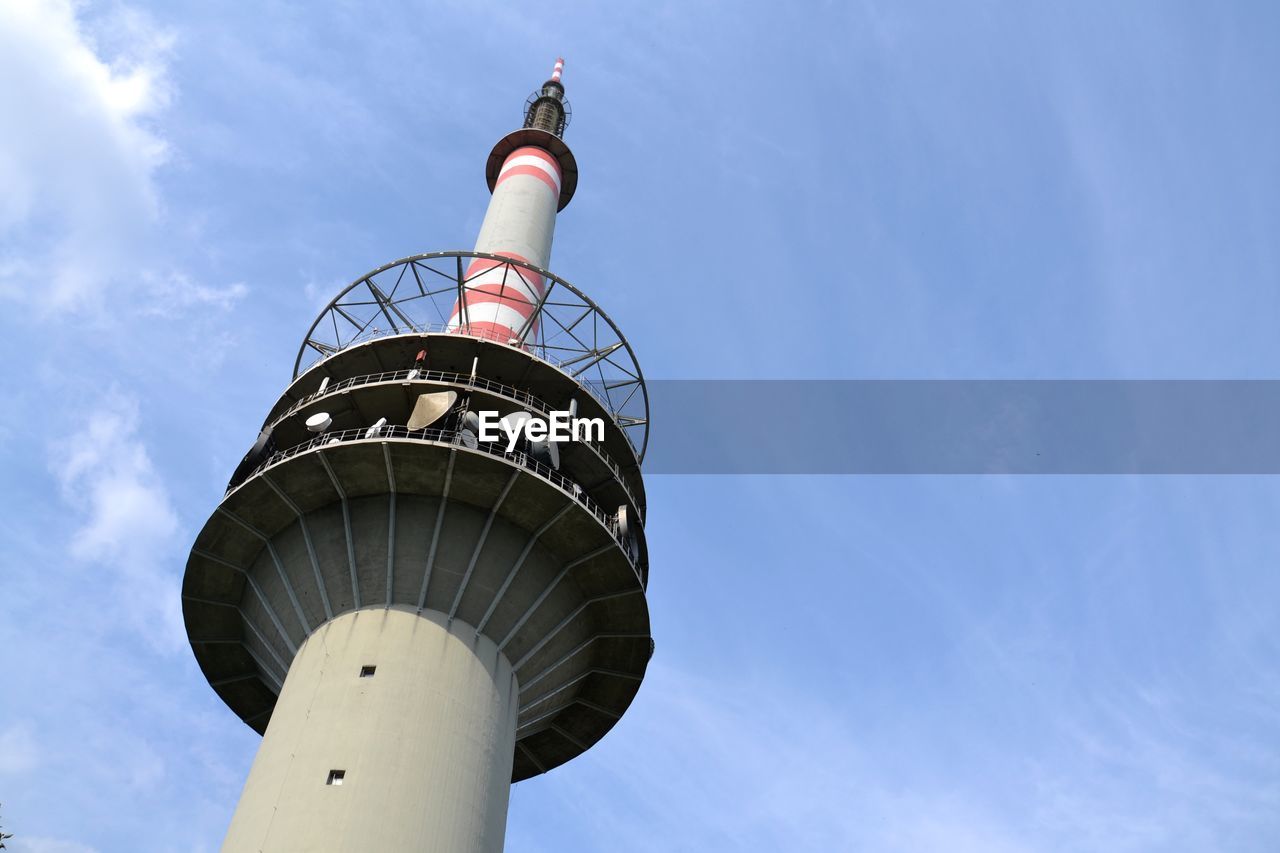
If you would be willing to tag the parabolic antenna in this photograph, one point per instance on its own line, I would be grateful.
(319, 422)
(547, 452)
(430, 408)
(626, 534)
(513, 422)
(261, 450)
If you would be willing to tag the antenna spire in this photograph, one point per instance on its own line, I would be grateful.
(547, 109)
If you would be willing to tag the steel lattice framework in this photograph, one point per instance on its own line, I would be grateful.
(416, 295)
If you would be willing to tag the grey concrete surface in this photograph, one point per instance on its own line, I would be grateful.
(423, 744)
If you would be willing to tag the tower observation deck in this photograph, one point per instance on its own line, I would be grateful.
(414, 616)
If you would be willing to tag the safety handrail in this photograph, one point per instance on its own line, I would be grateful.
(441, 328)
(478, 382)
(454, 438)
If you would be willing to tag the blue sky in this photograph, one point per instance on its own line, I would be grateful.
(805, 190)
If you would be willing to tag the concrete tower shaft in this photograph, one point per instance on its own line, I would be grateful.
(459, 689)
(413, 617)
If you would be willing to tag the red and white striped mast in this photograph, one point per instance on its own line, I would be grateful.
(532, 175)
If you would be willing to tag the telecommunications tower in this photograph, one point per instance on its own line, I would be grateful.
(412, 616)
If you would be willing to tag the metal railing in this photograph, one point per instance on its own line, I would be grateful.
(454, 438)
(536, 350)
(415, 295)
(476, 382)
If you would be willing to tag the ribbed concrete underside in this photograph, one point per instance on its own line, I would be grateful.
(421, 525)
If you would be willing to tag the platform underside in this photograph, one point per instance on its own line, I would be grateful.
(430, 526)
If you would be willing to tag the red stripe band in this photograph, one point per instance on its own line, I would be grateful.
(542, 154)
(513, 274)
(497, 293)
(533, 171)
(490, 331)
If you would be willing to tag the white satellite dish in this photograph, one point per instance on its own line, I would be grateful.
(626, 535)
(319, 422)
(513, 422)
(376, 430)
(471, 421)
(324, 385)
(547, 452)
(468, 439)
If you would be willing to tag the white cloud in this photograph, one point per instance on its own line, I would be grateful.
(79, 171)
(742, 762)
(712, 765)
(321, 293)
(175, 294)
(18, 749)
(47, 845)
(127, 523)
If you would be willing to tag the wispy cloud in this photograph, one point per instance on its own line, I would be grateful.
(741, 766)
(126, 522)
(18, 750)
(761, 762)
(79, 175)
(319, 293)
(176, 294)
(48, 845)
